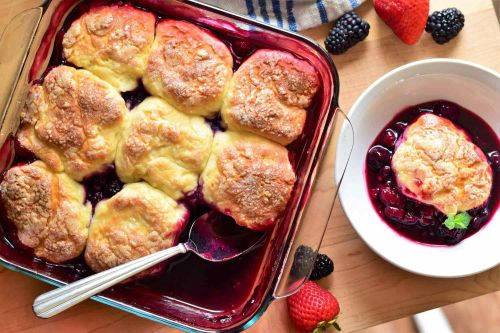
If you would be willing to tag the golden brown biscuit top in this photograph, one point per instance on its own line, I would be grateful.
(436, 163)
(72, 120)
(163, 146)
(188, 67)
(135, 222)
(268, 95)
(113, 42)
(249, 178)
(47, 209)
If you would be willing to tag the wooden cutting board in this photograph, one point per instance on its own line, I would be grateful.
(370, 290)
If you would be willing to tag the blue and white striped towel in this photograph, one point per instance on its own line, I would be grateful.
(294, 15)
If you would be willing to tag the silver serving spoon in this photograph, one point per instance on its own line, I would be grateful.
(212, 236)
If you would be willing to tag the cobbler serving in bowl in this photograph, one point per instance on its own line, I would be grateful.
(429, 178)
(422, 188)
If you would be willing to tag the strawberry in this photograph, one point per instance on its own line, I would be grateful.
(407, 18)
(313, 309)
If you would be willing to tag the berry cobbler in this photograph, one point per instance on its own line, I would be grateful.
(144, 125)
(432, 173)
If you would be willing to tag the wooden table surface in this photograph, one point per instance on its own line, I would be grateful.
(370, 290)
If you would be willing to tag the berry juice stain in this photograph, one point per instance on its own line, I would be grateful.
(414, 220)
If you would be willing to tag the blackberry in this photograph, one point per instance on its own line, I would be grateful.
(445, 25)
(451, 237)
(323, 266)
(348, 30)
(303, 261)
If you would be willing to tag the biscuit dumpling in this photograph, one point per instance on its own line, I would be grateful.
(164, 147)
(436, 163)
(113, 42)
(269, 94)
(72, 121)
(248, 178)
(47, 210)
(189, 68)
(137, 221)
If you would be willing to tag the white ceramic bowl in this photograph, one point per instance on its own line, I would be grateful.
(472, 86)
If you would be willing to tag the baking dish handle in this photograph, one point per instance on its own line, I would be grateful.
(15, 42)
(319, 211)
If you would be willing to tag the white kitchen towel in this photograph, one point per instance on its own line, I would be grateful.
(294, 15)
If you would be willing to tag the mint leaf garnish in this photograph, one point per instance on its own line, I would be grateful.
(450, 222)
(458, 221)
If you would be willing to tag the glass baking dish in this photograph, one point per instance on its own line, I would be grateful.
(224, 297)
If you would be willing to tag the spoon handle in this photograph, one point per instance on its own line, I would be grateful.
(62, 298)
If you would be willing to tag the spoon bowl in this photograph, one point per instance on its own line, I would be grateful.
(213, 236)
(216, 237)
